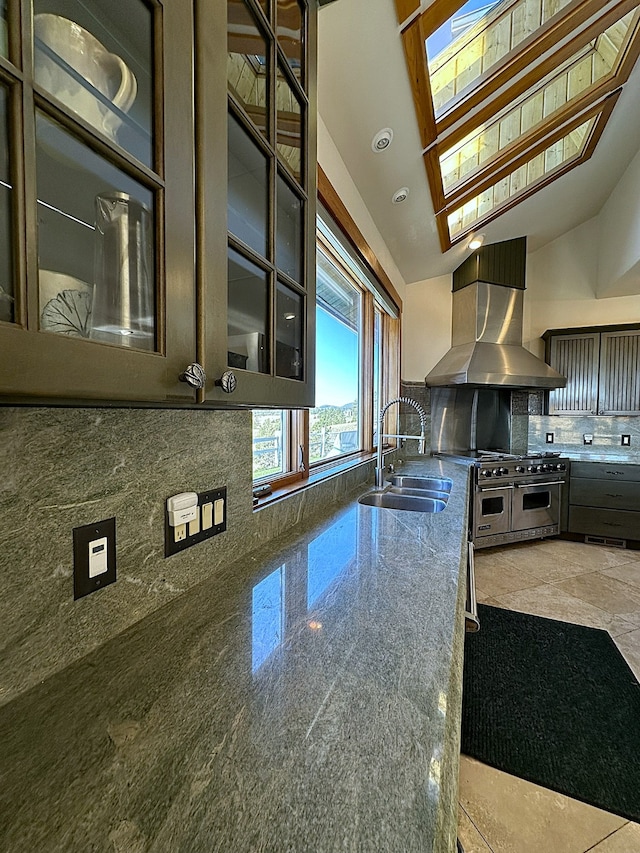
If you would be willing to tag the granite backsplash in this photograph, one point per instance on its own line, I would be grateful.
(66, 467)
(569, 432)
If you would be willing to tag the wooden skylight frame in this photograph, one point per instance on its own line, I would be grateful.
(508, 83)
(601, 111)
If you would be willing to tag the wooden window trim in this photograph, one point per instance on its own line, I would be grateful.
(389, 362)
(406, 8)
(336, 207)
(413, 41)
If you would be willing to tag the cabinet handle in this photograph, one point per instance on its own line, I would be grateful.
(227, 382)
(194, 375)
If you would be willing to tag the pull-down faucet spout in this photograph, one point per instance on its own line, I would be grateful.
(421, 438)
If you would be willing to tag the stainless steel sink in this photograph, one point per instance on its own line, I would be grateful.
(420, 493)
(402, 500)
(437, 484)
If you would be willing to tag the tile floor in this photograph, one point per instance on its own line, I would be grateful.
(589, 585)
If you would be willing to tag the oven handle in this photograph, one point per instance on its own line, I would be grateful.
(533, 483)
(471, 621)
(495, 488)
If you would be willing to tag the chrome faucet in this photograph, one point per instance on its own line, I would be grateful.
(421, 438)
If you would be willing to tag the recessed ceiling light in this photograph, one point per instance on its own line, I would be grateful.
(382, 140)
(400, 195)
(476, 241)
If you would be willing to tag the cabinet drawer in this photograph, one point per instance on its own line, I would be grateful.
(605, 493)
(617, 524)
(605, 471)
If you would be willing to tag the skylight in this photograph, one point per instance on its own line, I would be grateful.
(510, 95)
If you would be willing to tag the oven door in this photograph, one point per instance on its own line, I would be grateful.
(535, 505)
(492, 510)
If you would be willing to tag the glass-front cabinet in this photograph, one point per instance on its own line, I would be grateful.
(270, 229)
(122, 172)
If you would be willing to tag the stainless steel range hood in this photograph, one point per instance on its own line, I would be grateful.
(487, 326)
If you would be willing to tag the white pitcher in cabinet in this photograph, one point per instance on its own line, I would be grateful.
(76, 68)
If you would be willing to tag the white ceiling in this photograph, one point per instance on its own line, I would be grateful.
(363, 86)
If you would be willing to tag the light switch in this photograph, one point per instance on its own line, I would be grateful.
(207, 516)
(98, 557)
(194, 525)
(218, 511)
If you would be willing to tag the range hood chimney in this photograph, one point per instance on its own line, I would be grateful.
(486, 328)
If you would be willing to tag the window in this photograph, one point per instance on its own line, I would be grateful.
(334, 427)
(510, 95)
(357, 342)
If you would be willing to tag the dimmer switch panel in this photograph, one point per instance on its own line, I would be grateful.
(94, 556)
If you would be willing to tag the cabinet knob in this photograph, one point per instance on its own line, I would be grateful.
(194, 375)
(227, 382)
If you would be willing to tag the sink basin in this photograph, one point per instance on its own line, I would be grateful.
(402, 500)
(419, 493)
(437, 484)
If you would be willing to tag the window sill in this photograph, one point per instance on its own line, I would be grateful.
(316, 476)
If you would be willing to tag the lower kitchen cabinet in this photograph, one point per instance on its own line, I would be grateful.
(604, 500)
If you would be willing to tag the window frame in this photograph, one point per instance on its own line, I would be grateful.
(379, 298)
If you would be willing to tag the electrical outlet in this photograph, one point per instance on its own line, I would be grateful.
(626, 440)
(94, 557)
(587, 438)
(549, 438)
(210, 519)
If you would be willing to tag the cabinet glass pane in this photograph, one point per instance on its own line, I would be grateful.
(248, 64)
(289, 231)
(290, 33)
(248, 200)
(248, 315)
(289, 326)
(97, 59)
(95, 244)
(4, 36)
(7, 312)
(289, 125)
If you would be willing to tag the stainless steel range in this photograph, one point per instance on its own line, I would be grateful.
(515, 497)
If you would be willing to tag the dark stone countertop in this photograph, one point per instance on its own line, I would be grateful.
(598, 456)
(307, 698)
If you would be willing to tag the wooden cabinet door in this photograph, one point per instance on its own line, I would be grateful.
(96, 202)
(256, 256)
(619, 373)
(576, 357)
